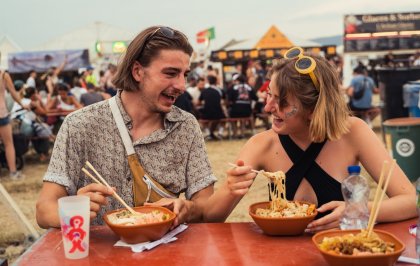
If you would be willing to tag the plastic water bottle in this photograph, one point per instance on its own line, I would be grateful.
(418, 219)
(355, 189)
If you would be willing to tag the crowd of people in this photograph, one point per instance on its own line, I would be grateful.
(35, 109)
(211, 100)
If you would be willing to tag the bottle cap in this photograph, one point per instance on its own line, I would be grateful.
(353, 169)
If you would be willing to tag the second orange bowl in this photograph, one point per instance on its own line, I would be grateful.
(280, 226)
(360, 260)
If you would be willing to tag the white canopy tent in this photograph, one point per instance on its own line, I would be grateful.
(7, 45)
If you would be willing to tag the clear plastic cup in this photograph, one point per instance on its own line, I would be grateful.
(74, 214)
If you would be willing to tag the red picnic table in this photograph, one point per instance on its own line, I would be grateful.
(201, 244)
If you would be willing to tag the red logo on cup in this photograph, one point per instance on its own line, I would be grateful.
(76, 234)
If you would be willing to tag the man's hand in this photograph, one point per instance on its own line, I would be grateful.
(181, 207)
(98, 197)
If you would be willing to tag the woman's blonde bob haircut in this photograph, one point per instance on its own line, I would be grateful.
(329, 111)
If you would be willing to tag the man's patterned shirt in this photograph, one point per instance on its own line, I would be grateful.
(174, 156)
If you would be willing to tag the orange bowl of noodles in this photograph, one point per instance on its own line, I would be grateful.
(151, 223)
(293, 219)
(354, 247)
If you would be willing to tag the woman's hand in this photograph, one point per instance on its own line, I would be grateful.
(240, 178)
(329, 221)
(98, 197)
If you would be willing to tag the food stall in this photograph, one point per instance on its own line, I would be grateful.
(385, 43)
(273, 44)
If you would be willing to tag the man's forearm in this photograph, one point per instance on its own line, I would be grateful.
(47, 216)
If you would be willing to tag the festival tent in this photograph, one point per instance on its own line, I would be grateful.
(7, 45)
(273, 38)
(270, 45)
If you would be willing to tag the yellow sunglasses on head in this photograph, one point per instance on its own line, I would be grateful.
(304, 64)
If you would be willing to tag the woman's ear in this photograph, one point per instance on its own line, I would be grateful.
(310, 114)
(137, 71)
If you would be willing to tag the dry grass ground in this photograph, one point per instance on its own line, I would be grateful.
(25, 193)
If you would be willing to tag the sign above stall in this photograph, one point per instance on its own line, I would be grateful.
(232, 57)
(379, 32)
(41, 61)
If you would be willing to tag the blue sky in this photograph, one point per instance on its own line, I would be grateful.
(33, 22)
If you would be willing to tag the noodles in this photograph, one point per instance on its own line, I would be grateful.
(125, 217)
(279, 205)
(359, 244)
(291, 209)
(278, 194)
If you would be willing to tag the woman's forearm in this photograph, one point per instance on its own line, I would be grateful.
(397, 208)
(220, 205)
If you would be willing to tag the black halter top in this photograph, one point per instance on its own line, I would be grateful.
(325, 187)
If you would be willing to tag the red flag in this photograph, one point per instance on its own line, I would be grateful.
(202, 36)
(205, 35)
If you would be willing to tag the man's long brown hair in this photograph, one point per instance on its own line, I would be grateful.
(123, 78)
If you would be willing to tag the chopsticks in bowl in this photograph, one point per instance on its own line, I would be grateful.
(379, 195)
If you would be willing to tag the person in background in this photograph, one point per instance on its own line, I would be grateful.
(32, 125)
(77, 91)
(64, 101)
(102, 80)
(90, 77)
(167, 140)
(240, 98)
(415, 59)
(313, 140)
(193, 90)
(92, 96)
(31, 81)
(199, 70)
(389, 59)
(363, 85)
(259, 106)
(211, 98)
(51, 76)
(184, 102)
(108, 77)
(6, 84)
(196, 92)
(62, 104)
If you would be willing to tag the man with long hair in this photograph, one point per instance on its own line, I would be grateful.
(167, 140)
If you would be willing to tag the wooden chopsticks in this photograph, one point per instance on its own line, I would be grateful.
(234, 165)
(106, 184)
(379, 195)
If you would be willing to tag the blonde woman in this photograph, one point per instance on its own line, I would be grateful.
(313, 140)
(6, 135)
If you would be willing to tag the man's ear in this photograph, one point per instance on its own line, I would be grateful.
(137, 71)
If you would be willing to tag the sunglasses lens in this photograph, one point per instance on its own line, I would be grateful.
(167, 32)
(293, 53)
(303, 63)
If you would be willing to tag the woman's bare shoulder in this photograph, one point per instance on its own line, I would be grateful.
(360, 134)
(260, 143)
(263, 138)
(358, 128)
